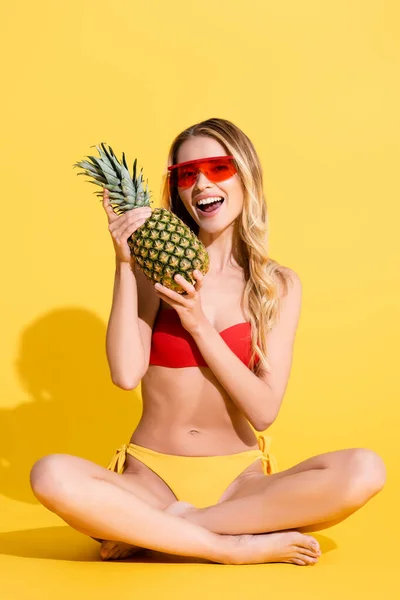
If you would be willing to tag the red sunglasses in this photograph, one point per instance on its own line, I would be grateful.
(216, 169)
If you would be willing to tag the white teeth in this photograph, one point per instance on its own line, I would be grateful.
(209, 200)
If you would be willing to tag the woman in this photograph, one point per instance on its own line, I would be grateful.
(195, 480)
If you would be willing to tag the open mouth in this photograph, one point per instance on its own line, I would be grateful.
(211, 206)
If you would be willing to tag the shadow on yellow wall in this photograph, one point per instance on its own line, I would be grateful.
(75, 408)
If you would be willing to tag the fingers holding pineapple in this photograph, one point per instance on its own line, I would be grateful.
(111, 215)
(189, 306)
(121, 227)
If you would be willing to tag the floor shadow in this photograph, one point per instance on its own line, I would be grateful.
(64, 543)
(74, 407)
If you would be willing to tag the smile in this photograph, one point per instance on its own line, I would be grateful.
(210, 206)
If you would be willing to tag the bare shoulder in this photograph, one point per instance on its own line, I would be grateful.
(293, 284)
(290, 300)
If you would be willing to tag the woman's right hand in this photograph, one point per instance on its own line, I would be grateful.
(122, 226)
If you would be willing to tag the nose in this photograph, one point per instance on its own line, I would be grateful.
(201, 180)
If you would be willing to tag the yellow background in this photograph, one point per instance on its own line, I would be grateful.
(315, 85)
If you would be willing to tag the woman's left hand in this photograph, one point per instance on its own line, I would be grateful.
(188, 307)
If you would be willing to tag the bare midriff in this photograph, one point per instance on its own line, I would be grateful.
(186, 411)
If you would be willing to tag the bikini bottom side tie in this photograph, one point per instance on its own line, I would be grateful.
(117, 463)
(268, 461)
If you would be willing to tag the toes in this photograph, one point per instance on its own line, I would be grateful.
(106, 544)
(297, 561)
(309, 560)
(308, 552)
(115, 554)
(112, 554)
(110, 550)
(123, 554)
(313, 544)
(106, 554)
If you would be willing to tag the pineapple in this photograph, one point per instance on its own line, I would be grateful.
(164, 245)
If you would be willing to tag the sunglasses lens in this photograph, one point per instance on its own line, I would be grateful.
(214, 170)
(219, 170)
(186, 176)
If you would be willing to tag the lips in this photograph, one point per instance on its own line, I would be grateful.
(206, 198)
(210, 212)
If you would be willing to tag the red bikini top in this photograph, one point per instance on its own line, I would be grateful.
(173, 346)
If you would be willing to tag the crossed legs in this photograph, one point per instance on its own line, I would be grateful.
(311, 495)
(104, 505)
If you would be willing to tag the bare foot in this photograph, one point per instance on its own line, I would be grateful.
(111, 550)
(287, 546)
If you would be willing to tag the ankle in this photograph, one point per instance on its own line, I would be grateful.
(235, 549)
(228, 549)
(222, 549)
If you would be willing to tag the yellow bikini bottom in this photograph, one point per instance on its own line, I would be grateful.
(199, 480)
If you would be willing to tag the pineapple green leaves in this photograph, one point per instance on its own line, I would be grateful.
(126, 192)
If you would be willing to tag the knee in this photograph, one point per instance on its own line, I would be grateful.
(366, 474)
(48, 478)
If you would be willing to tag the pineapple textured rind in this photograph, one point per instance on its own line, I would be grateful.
(164, 245)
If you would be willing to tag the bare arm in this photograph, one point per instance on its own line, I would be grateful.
(134, 304)
(259, 398)
(124, 346)
(134, 310)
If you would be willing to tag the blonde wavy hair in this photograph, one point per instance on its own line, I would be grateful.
(260, 301)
